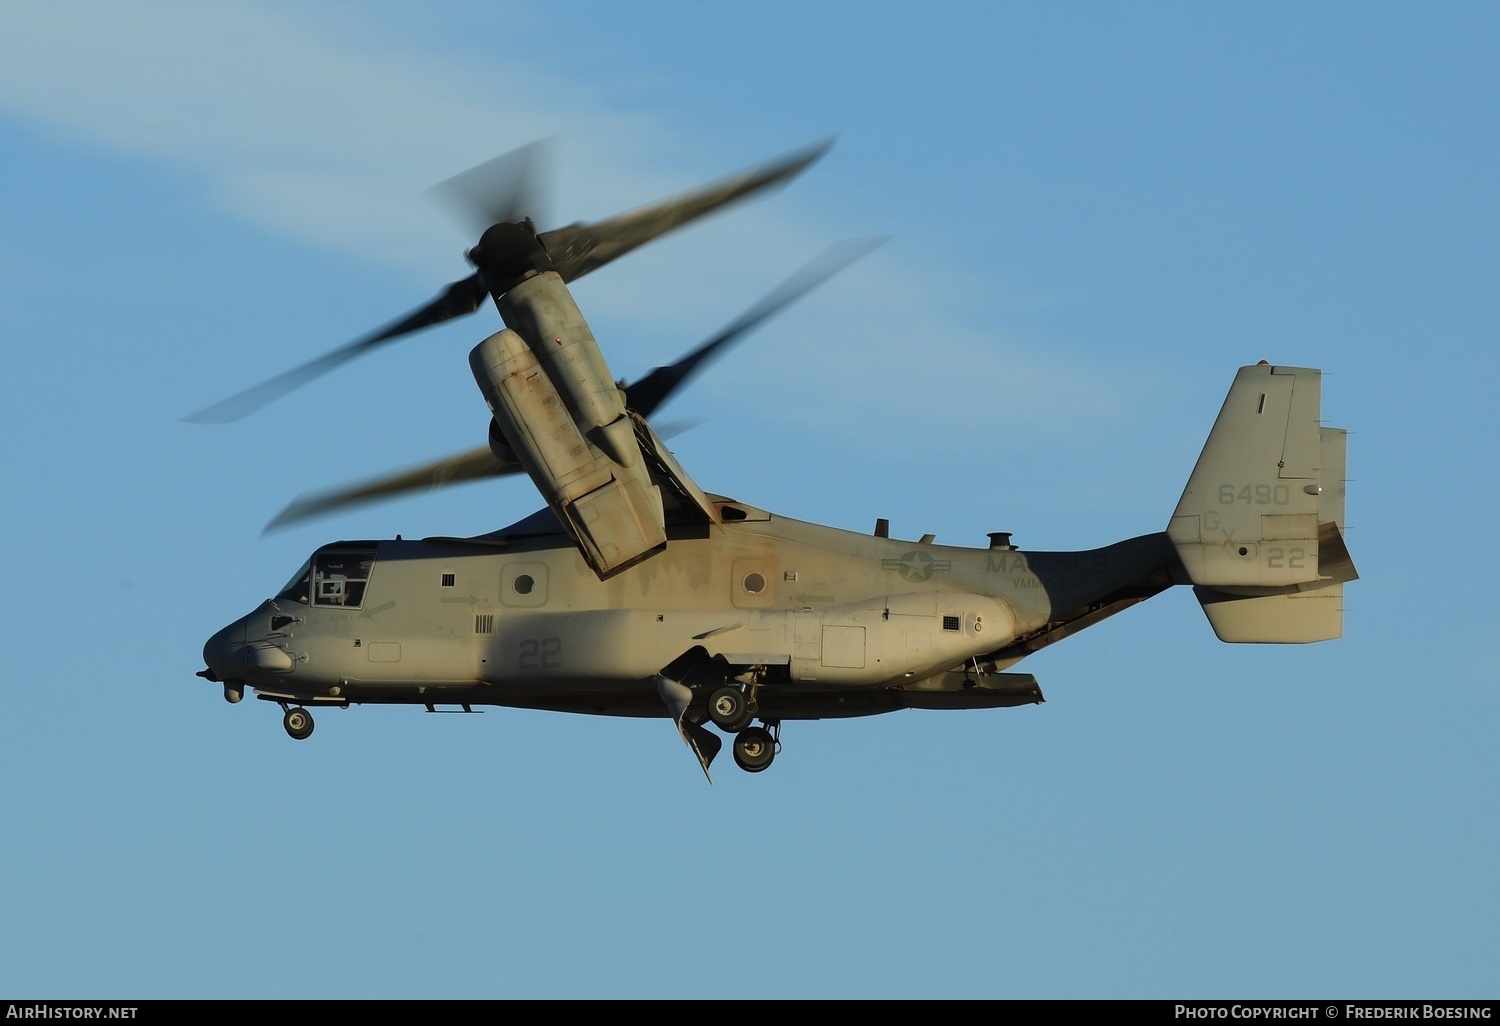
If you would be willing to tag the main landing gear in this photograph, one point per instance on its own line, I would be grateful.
(731, 709)
(754, 748)
(298, 723)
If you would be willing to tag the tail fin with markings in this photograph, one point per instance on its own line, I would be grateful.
(1259, 528)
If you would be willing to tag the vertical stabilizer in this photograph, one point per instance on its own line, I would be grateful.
(1259, 526)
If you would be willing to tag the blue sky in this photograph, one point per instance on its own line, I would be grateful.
(1098, 212)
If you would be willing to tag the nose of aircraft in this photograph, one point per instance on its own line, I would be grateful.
(216, 652)
(221, 654)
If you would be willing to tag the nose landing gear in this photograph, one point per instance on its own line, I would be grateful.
(298, 723)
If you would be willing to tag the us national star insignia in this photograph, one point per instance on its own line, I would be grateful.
(916, 565)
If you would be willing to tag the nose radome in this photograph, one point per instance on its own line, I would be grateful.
(219, 652)
(216, 652)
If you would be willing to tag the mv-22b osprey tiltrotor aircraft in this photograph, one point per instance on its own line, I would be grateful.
(636, 593)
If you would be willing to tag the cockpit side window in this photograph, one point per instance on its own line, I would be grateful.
(339, 578)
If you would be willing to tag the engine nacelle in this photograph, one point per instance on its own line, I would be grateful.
(542, 311)
(499, 447)
(611, 508)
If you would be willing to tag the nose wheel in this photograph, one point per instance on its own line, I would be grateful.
(298, 723)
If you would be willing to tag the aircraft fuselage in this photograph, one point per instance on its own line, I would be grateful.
(812, 614)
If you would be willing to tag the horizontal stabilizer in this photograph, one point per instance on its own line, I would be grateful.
(1283, 617)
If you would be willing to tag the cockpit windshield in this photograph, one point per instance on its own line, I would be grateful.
(333, 577)
(300, 586)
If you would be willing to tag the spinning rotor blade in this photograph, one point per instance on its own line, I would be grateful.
(473, 465)
(657, 387)
(506, 190)
(644, 397)
(457, 300)
(465, 466)
(580, 248)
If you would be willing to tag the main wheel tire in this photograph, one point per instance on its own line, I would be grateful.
(298, 723)
(730, 710)
(754, 748)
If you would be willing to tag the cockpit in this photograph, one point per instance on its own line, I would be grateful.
(336, 575)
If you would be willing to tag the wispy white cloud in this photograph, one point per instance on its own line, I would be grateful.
(289, 123)
(307, 132)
